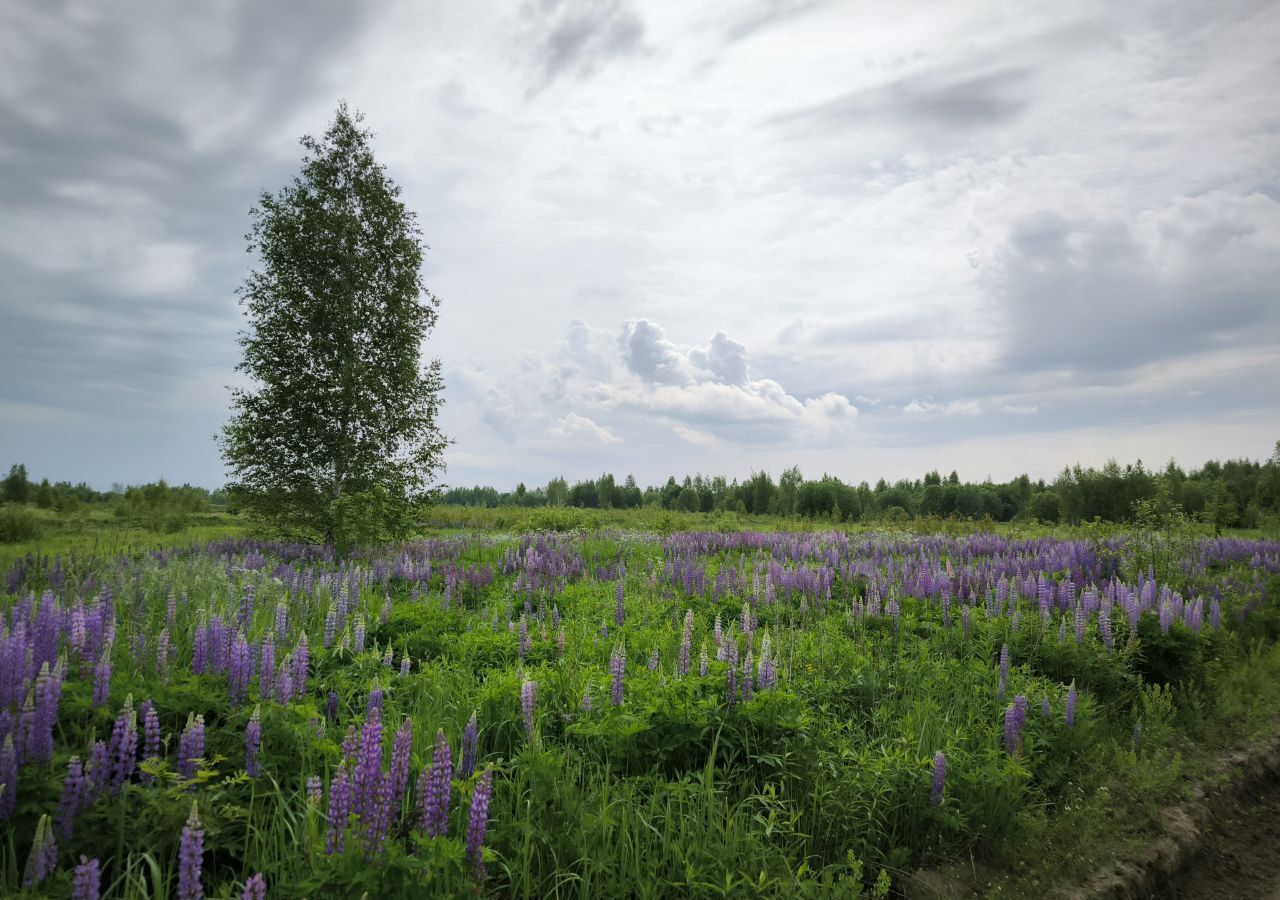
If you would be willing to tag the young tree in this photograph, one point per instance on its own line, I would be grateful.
(340, 409)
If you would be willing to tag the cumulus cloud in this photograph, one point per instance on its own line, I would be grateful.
(705, 394)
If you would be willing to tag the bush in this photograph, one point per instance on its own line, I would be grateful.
(17, 523)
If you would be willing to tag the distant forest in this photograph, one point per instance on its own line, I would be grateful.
(1235, 493)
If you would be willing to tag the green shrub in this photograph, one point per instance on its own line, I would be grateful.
(17, 523)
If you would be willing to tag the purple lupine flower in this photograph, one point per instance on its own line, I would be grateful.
(400, 747)
(1004, 672)
(151, 737)
(717, 637)
(44, 854)
(404, 664)
(367, 782)
(1215, 614)
(618, 611)
(375, 700)
(102, 678)
(253, 744)
(731, 671)
(124, 746)
(388, 657)
(478, 823)
(86, 884)
(703, 664)
(266, 668)
(47, 694)
(586, 700)
(301, 662)
(560, 642)
(939, 778)
(1071, 705)
(748, 672)
(191, 858)
(315, 790)
(617, 668)
(350, 744)
(654, 660)
(339, 809)
(1045, 710)
(99, 771)
(239, 670)
(686, 645)
(1015, 721)
(75, 796)
(162, 654)
(255, 888)
(434, 789)
(524, 644)
(358, 635)
(528, 695)
(191, 746)
(470, 747)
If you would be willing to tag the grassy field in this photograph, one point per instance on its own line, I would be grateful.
(660, 705)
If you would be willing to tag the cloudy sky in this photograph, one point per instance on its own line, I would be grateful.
(867, 238)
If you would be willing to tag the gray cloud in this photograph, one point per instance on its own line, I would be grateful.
(1108, 294)
(575, 37)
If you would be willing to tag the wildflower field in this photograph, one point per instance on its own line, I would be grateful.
(596, 714)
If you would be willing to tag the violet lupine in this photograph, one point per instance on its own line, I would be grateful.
(162, 654)
(389, 657)
(367, 782)
(99, 770)
(528, 697)
(255, 888)
(1046, 711)
(939, 778)
(1004, 672)
(434, 788)
(339, 810)
(267, 668)
(731, 671)
(1070, 709)
(239, 670)
(350, 744)
(151, 737)
(124, 746)
(399, 777)
(766, 672)
(586, 700)
(478, 823)
(404, 664)
(191, 858)
(253, 744)
(47, 694)
(618, 611)
(331, 706)
(470, 747)
(1015, 721)
(86, 883)
(748, 670)
(617, 668)
(191, 746)
(686, 645)
(301, 660)
(102, 678)
(654, 660)
(703, 664)
(43, 859)
(375, 700)
(358, 635)
(75, 796)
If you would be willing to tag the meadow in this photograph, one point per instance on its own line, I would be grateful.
(621, 709)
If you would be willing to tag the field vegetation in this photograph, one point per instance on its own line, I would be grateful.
(619, 710)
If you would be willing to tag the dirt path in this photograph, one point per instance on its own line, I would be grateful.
(1240, 858)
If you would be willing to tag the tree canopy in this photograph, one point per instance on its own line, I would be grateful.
(340, 415)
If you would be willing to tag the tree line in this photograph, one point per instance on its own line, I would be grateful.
(1234, 493)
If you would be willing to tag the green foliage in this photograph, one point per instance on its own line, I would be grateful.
(17, 524)
(369, 518)
(337, 313)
